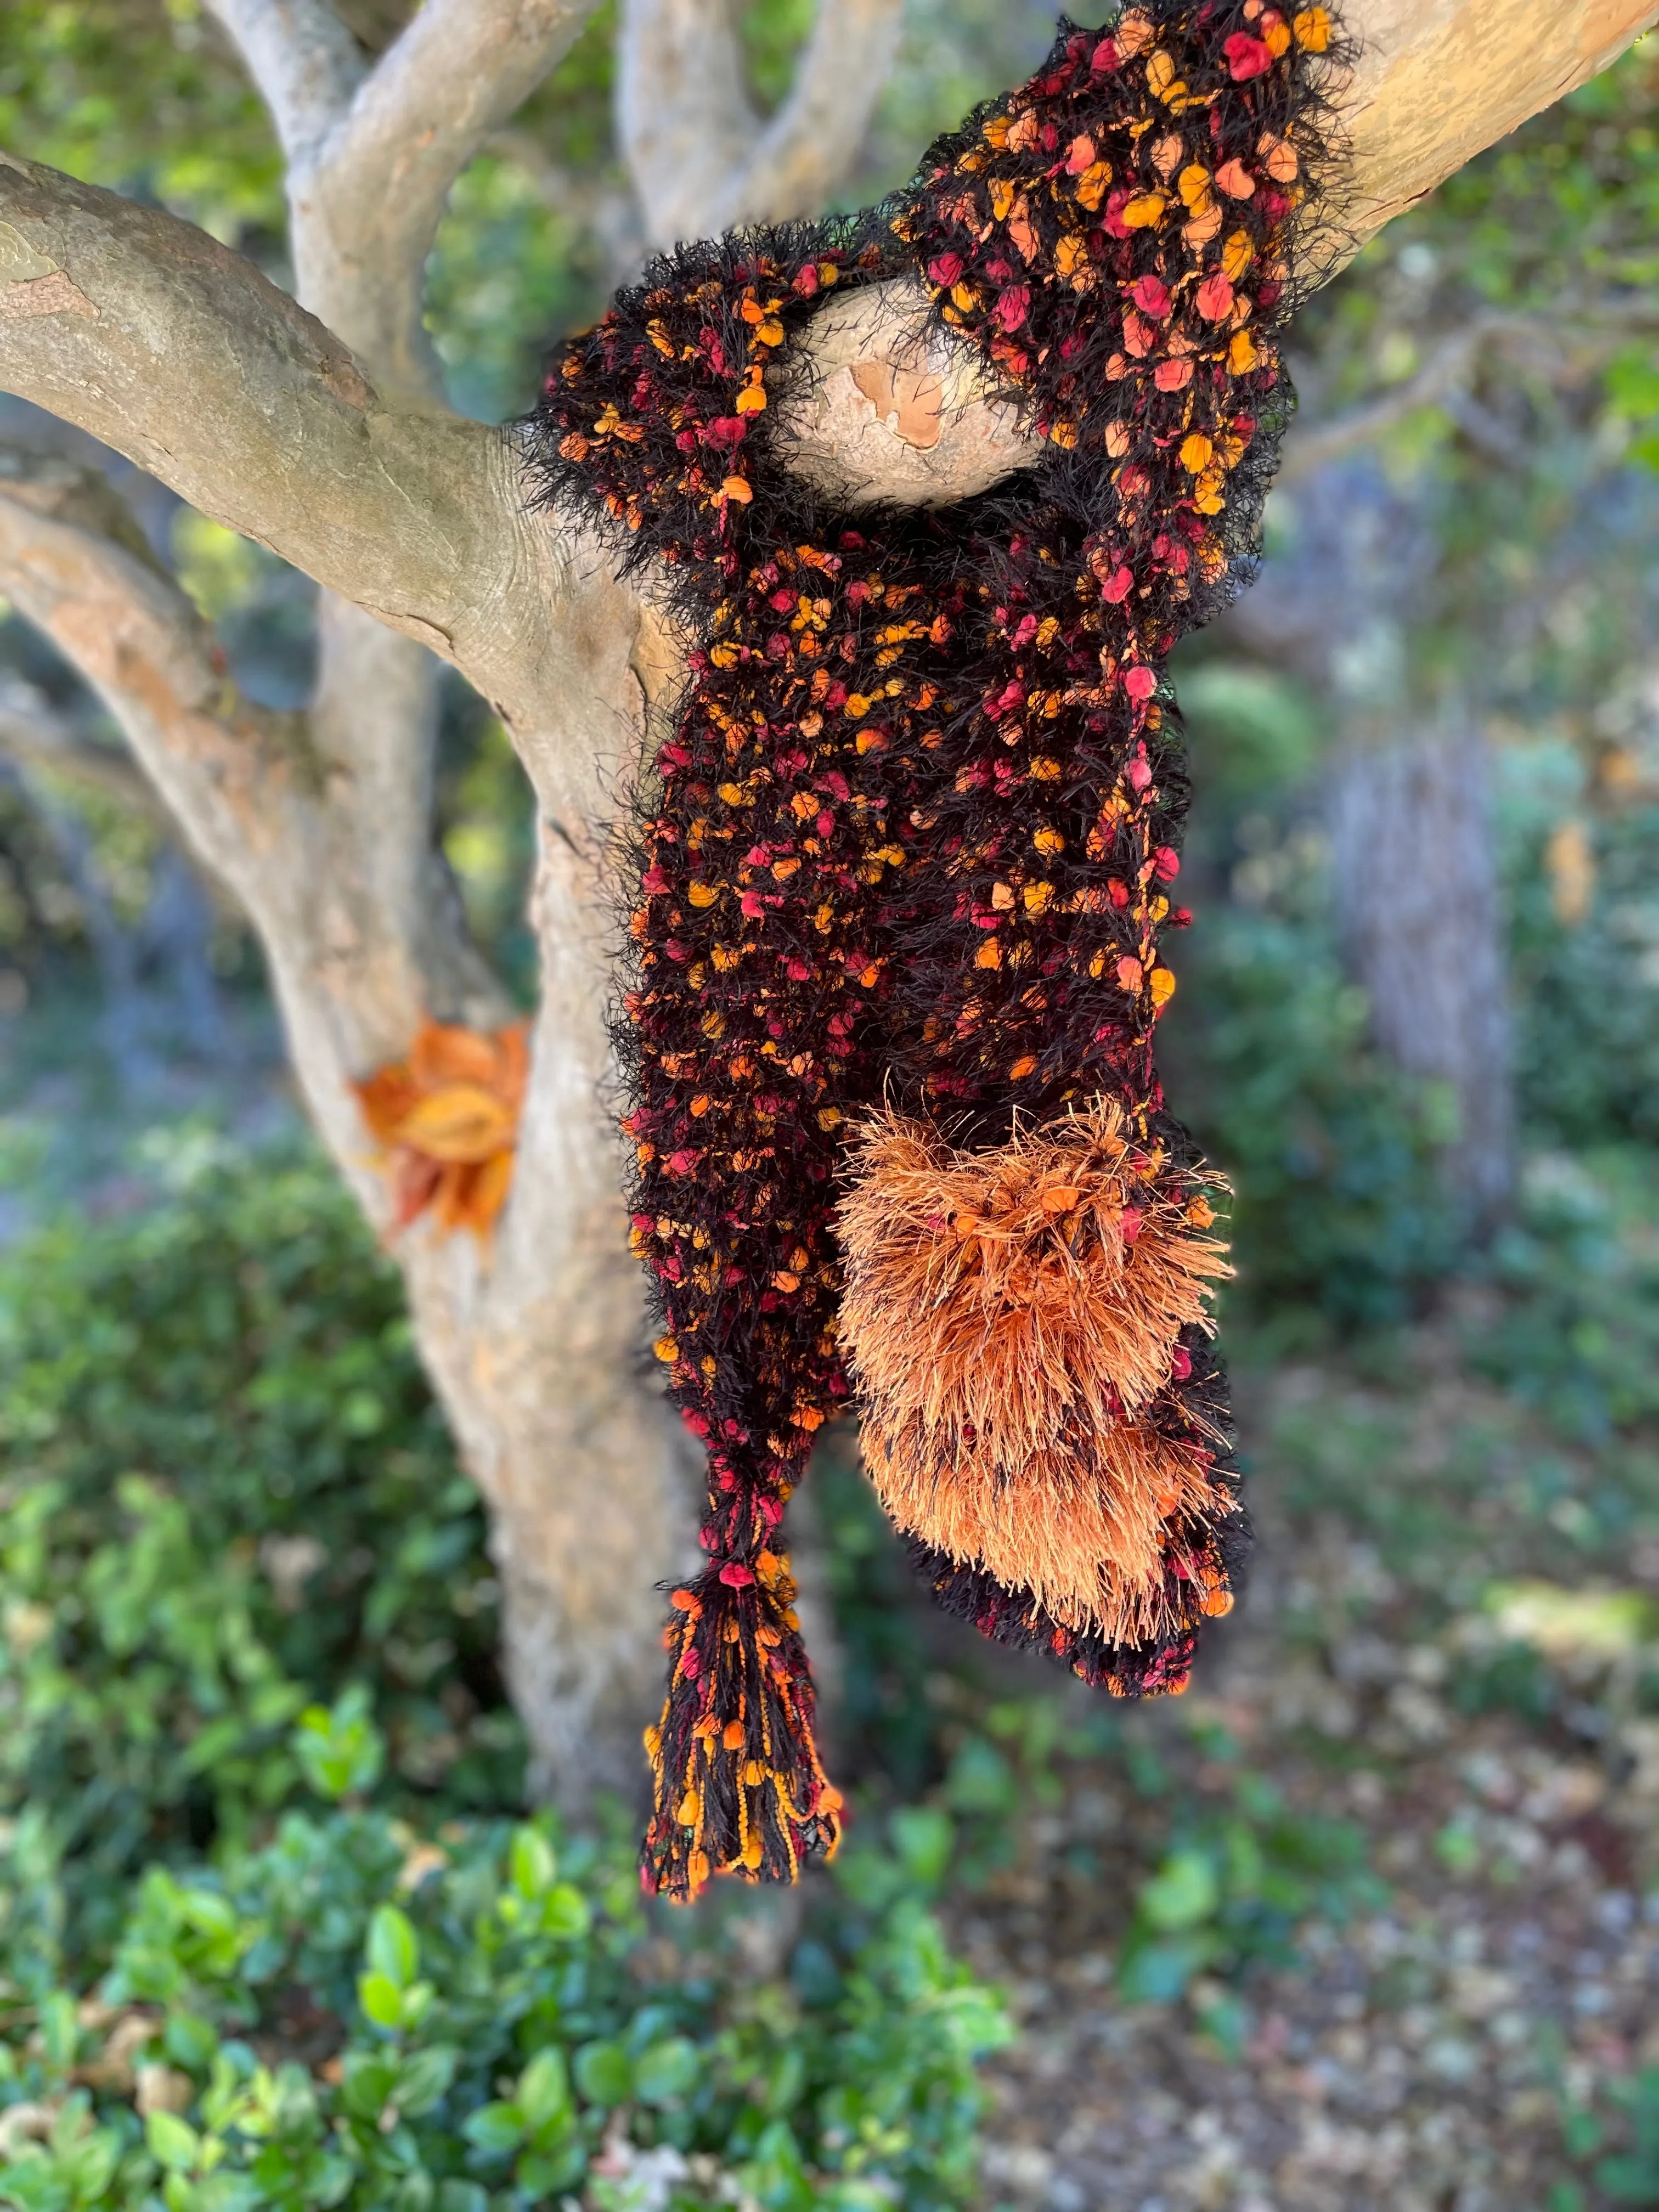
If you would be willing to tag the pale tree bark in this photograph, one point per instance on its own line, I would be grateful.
(1417, 901)
(1413, 876)
(701, 156)
(321, 435)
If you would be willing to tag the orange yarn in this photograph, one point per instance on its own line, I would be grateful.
(1010, 1319)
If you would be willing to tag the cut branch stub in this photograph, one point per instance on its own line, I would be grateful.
(885, 409)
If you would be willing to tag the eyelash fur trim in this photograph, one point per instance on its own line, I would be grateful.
(910, 844)
(1009, 1317)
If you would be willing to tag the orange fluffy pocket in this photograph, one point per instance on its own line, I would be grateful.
(1013, 1321)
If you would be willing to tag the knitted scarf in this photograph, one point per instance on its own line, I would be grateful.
(907, 865)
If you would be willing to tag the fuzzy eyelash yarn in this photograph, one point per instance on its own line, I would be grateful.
(906, 867)
(1044, 1286)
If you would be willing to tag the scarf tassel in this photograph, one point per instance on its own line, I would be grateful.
(739, 1787)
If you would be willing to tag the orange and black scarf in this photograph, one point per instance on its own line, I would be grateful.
(908, 862)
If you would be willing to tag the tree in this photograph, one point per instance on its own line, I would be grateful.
(1501, 340)
(315, 425)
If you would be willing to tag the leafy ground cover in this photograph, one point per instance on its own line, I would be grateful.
(273, 1930)
(362, 2013)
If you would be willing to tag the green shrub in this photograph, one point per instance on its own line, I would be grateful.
(1587, 994)
(1338, 1207)
(1340, 1217)
(1578, 1332)
(225, 1493)
(359, 2014)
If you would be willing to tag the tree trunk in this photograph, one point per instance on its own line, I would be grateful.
(1417, 896)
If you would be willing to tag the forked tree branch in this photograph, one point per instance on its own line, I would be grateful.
(90, 586)
(366, 208)
(702, 159)
(341, 884)
(372, 154)
(810, 145)
(173, 350)
(304, 61)
(181, 355)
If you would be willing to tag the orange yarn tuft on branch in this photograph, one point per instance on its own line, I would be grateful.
(448, 1115)
(1011, 1320)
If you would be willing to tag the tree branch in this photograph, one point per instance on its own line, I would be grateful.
(702, 159)
(302, 58)
(1571, 334)
(1436, 84)
(96, 590)
(1436, 81)
(813, 141)
(352, 905)
(682, 117)
(365, 203)
(1448, 369)
(180, 355)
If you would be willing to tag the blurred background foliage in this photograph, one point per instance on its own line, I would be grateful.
(239, 1575)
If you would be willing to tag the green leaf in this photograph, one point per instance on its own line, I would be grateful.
(604, 2075)
(1184, 1892)
(1457, 1847)
(208, 1912)
(1628, 2180)
(1158, 1974)
(786, 2080)
(665, 2070)
(531, 1862)
(1632, 380)
(424, 2078)
(496, 2130)
(545, 2172)
(461, 2197)
(60, 2032)
(189, 2041)
(1581, 2131)
(924, 1836)
(382, 2000)
(544, 2091)
(1227, 2023)
(173, 2141)
(565, 1913)
(339, 1749)
(369, 2079)
(981, 1779)
(394, 1949)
